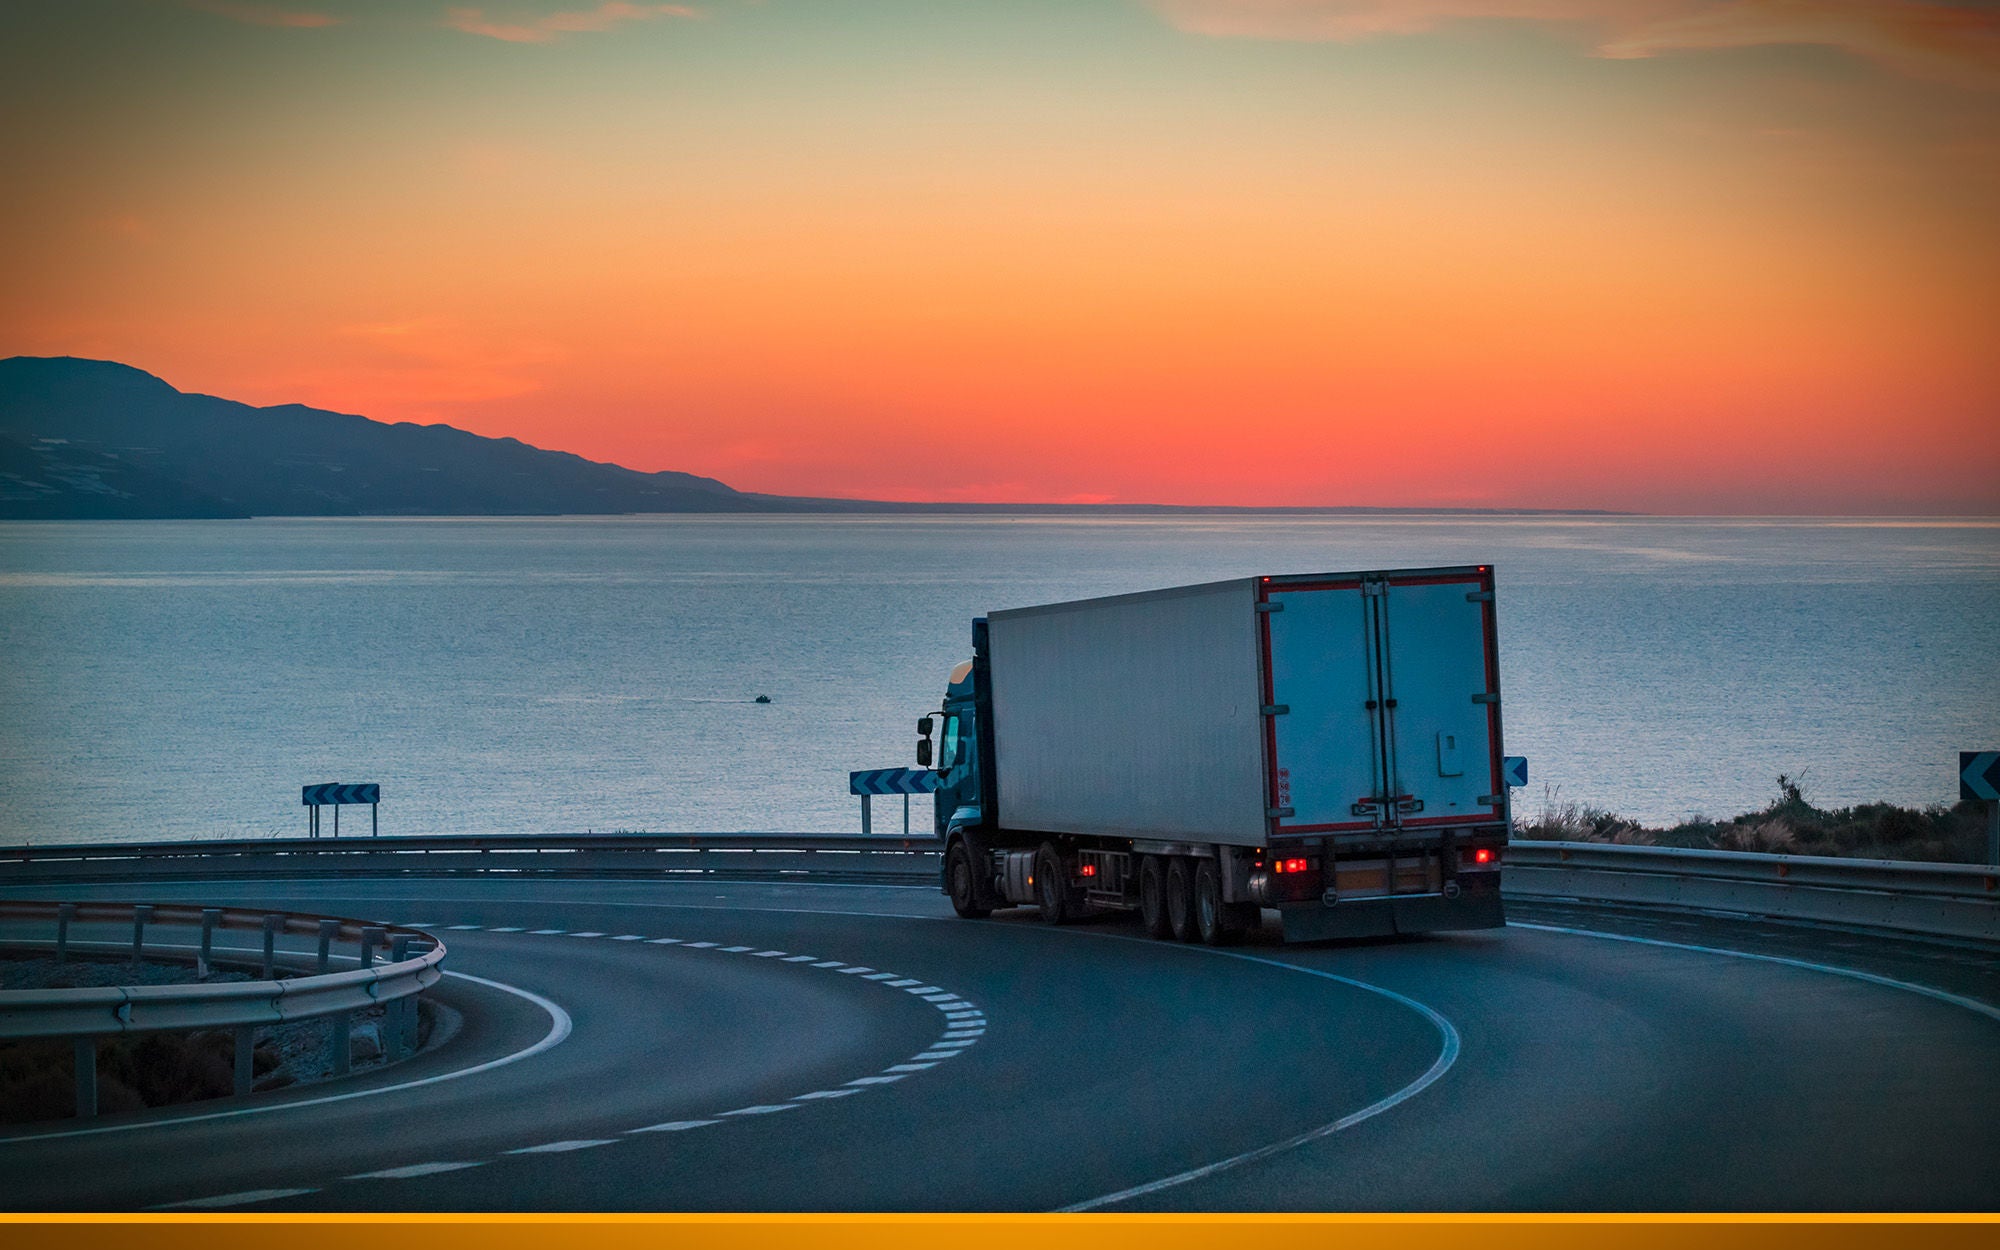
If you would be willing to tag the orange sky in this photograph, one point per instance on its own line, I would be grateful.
(1672, 256)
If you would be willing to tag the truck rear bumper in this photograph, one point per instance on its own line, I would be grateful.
(1475, 908)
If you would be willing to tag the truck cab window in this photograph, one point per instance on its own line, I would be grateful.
(947, 755)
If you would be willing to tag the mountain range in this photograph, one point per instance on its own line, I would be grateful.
(88, 439)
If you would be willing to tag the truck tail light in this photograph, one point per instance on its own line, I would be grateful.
(1088, 870)
(1485, 855)
(1290, 865)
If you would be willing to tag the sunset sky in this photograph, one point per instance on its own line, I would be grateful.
(1669, 256)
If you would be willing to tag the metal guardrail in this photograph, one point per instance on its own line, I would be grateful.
(1945, 900)
(1953, 900)
(88, 1013)
(742, 855)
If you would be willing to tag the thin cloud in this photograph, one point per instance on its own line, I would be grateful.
(550, 27)
(262, 14)
(1944, 42)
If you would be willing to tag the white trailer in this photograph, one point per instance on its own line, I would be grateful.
(1325, 745)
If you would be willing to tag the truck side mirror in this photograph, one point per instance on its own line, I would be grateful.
(924, 726)
(924, 751)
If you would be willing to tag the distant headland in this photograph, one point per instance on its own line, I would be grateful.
(93, 439)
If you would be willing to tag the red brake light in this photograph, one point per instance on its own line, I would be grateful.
(1088, 870)
(1484, 855)
(1291, 865)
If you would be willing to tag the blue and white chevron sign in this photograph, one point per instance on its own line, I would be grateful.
(1514, 770)
(337, 792)
(1979, 775)
(892, 781)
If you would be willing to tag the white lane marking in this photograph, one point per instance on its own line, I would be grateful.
(876, 1080)
(880, 976)
(414, 1170)
(903, 984)
(630, 937)
(462, 928)
(559, 1029)
(851, 969)
(954, 1045)
(563, 1147)
(587, 933)
(766, 954)
(505, 928)
(968, 1034)
(663, 941)
(764, 1109)
(674, 1126)
(828, 1093)
(829, 963)
(908, 1067)
(701, 946)
(736, 950)
(1447, 1056)
(1970, 1004)
(233, 1200)
(799, 959)
(936, 1054)
(541, 932)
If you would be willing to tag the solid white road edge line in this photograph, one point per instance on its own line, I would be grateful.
(559, 1028)
(1446, 1057)
(1970, 1004)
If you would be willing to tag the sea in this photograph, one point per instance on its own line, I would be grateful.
(182, 680)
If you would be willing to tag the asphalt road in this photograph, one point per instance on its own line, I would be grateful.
(826, 1047)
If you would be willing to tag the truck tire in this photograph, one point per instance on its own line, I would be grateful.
(1052, 892)
(1180, 899)
(961, 882)
(1153, 896)
(1216, 922)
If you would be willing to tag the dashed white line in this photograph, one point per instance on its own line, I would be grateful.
(563, 1147)
(663, 941)
(851, 969)
(736, 950)
(908, 1067)
(547, 932)
(506, 928)
(764, 1109)
(673, 1126)
(462, 928)
(828, 1093)
(235, 1200)
(701, 946)
(765, 954)
(936, 1054)
(587, 933)
(630, 937)
(880, 976)
(876, 1080)
(829, 963)
(413, 1170)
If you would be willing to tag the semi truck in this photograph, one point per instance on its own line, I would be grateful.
(1326, 746)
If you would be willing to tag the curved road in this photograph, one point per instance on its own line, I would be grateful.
(702, 1045)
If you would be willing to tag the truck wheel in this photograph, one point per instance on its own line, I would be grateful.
(1153, 896)
(1052, 893)
(1180, 900)
(960, 885)
(1215, 921)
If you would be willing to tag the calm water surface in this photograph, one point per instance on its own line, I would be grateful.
(183, 679)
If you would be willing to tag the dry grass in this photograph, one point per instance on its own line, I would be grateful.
(1789, 826)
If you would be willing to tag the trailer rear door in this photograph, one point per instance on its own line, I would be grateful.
(1382, 703)
(1442, 709)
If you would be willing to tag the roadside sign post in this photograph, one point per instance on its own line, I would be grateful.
(337, 794)
(1514, 775)
(1979, 778)
(869, 782)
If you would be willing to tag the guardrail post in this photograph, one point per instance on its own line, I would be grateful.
(210, 917)
(272, 923)
(1993, 833)
(327, 929)
(86, 1078)
(140, 915)
(867, 814)
(65, 912)
(341, 1044)
(397, 1027)
(371, 937)
(246, 1053)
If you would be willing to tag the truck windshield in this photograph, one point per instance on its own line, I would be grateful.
(948, 744)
